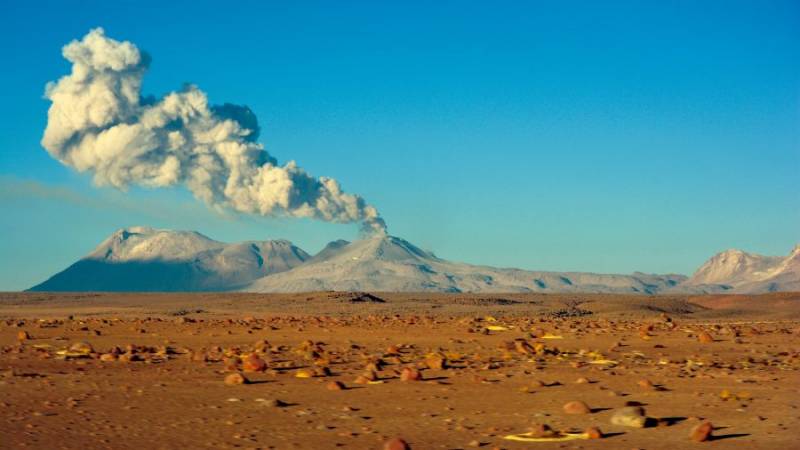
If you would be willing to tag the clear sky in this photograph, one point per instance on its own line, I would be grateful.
(592, 136)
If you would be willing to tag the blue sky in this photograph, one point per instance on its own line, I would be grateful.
(607, 137)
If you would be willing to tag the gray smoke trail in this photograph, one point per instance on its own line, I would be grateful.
(99, 122)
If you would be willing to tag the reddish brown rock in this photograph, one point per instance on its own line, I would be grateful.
(235, 379)
(410, 374)
(335, 386)
(436, 361)
(253, 363)
(23, 336)
(646, 385)
(593, 433)
(702, 432)
(705, 338)
(577, 407)
(396, 444)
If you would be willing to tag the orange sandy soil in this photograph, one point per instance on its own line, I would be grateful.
(502, 372)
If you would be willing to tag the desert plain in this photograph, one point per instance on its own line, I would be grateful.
(385, 370)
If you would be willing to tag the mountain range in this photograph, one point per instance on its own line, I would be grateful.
(148, 259)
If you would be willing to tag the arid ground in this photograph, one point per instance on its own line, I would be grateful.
(439, 371)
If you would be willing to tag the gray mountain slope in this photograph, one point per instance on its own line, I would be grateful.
(146, 259)
(387, 263)
(747, 273)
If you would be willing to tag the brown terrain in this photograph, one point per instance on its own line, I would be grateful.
(421, 371)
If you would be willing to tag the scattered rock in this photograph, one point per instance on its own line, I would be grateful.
(541, 430)
(396, 444)
(577, 407)
(436, 361)
(629, 416)
(236, 378)
(335, 386)
(81, 347)
(594, 433)
(523, 347)
(253, 363)
(705, 338)
(275, 403)
(410, 374)
(304, 373)
(231, 364)
(646, 385)
(702, 432)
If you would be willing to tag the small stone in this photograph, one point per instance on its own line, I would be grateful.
(23, 336)
(646, 385)
(253, 363)
(523, 347)
(577, 407)
(236, 378)
(593, 433)
(81, 347)
(322, 372)
(304, 373)
(275, 403)
(370, 375)
(705, 338)
(436, 361)
(474, 443)
(410, 374)
(582, 380)
(541, 430)
(396, 444)
(129, 357)
(629, 416)
(231, 364)
(108, 357)
(702, 432)
(335, 386)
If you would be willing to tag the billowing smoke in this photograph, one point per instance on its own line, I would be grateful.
(99, 122)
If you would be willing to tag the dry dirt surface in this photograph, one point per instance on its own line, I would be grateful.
(394, 371)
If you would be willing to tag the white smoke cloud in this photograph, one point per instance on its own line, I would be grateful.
(99, 122)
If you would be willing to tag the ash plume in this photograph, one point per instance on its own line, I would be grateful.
(99, 123)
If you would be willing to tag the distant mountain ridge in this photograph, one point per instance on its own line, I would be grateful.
(148, 259)
(388, 263)
(744, 272)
